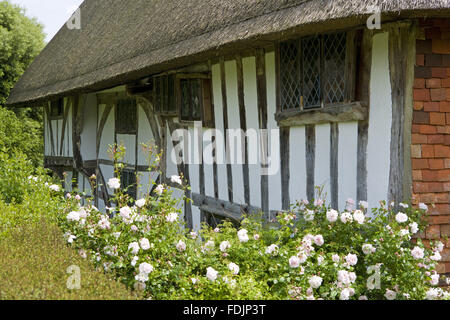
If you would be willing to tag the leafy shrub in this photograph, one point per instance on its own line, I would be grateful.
(313, 252)
(21, 135)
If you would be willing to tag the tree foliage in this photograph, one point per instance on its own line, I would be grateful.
(21, 40)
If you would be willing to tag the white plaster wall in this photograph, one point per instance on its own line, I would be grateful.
(322, 160)
(218, 113)
(275, 202)
(297, 164)
(251, 110)
(347, 162)
(145, 135)
(89, 130)
(236, 150)
(380, 121)
(107, 137)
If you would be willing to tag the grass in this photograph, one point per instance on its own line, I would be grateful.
(33, 263)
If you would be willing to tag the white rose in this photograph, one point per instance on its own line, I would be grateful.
(134, 260)
(209, 245)
(294, 262)
(140, 203)
(346, 217)
(434, 279)
(401, 217)
(271, 249)
(436, 256)
(359, 217)
(181, 246)
(315, 282)
(134, 246)
(332, 215)
(211, 274)
(414, 227)
(125, 212)
(73, 216)
(318, 240)
(345, 294)
(114, 183)
(144, 243)
(390, 295)
(417, 253)
(224, 245)
(145, 268)
(352, 259)
(423, 206)
(104, 223)
(55, 188)
(242, 235)
(234, 268)
(159, 189)
(335, 258)
(439, 246)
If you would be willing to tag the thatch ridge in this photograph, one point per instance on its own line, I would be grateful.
(123, 40)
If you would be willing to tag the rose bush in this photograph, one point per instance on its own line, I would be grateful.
(311, 252)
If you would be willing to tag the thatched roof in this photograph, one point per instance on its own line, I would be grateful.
(122, 40)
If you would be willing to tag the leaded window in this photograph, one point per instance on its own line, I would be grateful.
(312, 71)
(126, 116)
(164, 94)
(56, 109)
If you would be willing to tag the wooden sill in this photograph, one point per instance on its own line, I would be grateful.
(354, 111)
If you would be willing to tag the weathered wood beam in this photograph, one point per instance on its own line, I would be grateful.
(49, 124)
(310, 138)
(401, 40)
(363, 94)
(285, 171)
(334, 165)
(261, 85)
(243, 125)
(64, 125)
(355, 111)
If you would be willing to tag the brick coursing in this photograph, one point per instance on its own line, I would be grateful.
(430, 140)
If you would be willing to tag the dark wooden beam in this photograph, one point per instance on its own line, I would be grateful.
(261, 86)
(334, 164)
(310, 138)
(225, 128)
(243, 125)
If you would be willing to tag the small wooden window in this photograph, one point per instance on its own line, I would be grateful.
(194, 99)
(314, 71)
(126, 116)
(128, 182)
(164, 94)
(56, 109)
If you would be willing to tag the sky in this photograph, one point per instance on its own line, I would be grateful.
(52, 14)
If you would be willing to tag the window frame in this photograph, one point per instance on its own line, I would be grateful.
(129, 172)
(52, 104)
(206, 98)
(348, 110)
(118, 129)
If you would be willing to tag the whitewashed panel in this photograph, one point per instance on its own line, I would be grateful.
(218, 113)
(297, 164)
(251, 110)
(347, 162)
(380, 121)
(322, 160)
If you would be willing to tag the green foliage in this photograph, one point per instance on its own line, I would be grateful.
(312, 252)
(21, 39)
(21, 136)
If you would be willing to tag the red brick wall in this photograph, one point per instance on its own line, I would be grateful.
(430, 149)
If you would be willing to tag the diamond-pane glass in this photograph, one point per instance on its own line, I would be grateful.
(290, 85)
(311, 72)
(334, 67)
